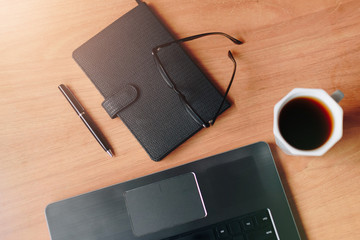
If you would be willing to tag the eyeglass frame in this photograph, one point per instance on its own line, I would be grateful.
(196, 117)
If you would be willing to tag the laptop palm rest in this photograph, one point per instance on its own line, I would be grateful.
(165, 204)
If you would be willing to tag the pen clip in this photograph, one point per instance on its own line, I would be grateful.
(72, 99)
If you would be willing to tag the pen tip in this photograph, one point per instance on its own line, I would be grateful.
(110, 153)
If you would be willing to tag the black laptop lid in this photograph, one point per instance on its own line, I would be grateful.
(231, 184)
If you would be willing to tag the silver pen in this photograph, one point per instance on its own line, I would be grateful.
(80, 111)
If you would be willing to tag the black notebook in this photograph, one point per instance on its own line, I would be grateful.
(119, 62)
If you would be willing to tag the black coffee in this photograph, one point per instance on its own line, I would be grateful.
(305, 123)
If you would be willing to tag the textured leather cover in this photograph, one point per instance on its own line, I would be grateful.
(120, 100)
(120, 55)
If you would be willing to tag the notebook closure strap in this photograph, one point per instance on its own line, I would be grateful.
(120, 100)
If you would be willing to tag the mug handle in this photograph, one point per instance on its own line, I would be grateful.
(337, 95)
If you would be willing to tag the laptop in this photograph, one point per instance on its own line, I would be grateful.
(236, 195)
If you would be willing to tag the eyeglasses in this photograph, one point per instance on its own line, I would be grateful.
(196, 117)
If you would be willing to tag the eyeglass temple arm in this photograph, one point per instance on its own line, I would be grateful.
(228, 88)
(234, 40)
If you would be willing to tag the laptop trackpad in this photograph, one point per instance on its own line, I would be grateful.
(165, 204)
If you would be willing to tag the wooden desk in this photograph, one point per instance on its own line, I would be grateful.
(47, 154)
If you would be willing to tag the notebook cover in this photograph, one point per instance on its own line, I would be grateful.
(121, 54)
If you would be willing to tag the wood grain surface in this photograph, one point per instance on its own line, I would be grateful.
(47, 154)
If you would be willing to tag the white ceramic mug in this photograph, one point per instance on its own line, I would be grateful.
(287, 140)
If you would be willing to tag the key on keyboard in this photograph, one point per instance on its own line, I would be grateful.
(253, 226)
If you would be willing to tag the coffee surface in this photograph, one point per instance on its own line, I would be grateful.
(305, 123)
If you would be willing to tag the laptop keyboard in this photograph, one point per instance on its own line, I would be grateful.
(253, 226)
